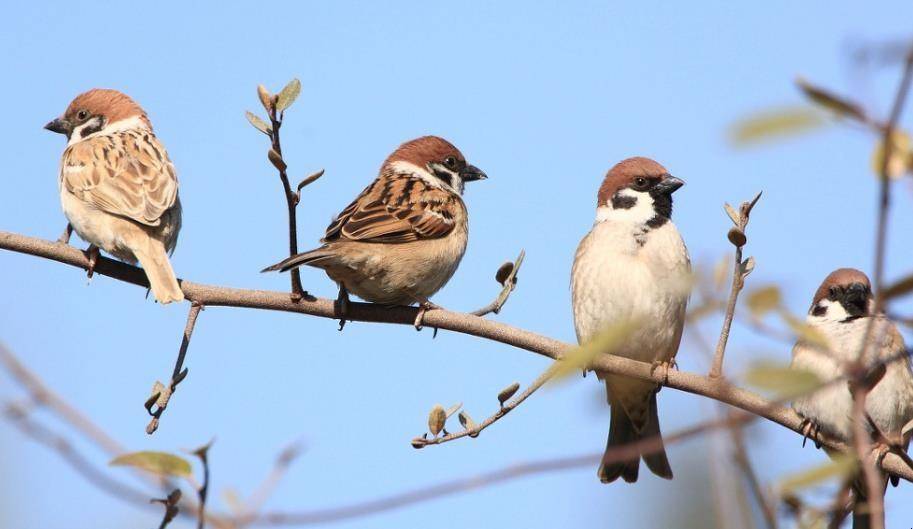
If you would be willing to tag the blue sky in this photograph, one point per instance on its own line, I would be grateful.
(544, 97)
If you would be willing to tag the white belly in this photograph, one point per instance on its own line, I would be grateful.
(97, 227)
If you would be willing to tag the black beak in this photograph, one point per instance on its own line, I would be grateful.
(669, 185)
(856, 300)
(60, 126)
(471, 173)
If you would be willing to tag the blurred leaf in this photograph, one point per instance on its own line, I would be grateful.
(806, 332)
(899, 288)
(233, 500)
(780, 379)
(774, 124)
(160, 463)
(762, 300)
(505, 394)
(288, 95)
(842, 466)
(436, 419)
(831, 101)
(258, 123)
(901, 156)
(747, 266)
(605, 342)
(721, 273)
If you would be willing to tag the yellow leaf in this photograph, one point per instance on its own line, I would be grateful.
(805, 332)
(772, 124)
(901, 156)
(605, 342)
(831, 101)
(764, 299)
(782, 380)
(288, 95)
(161, 463)
(842, 466)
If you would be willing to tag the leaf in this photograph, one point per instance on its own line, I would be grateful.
(603, 343)
(266, 99)
(842, 466)
(466, 421)
(258, 123)
(733, 214)
(831, 101)
(772, 124)
(898, 289)
(721, 273)
(276, 159)
(763, 300)
(505, 394)
(436, 419)
(806, 332)
(901, 156)
(782, 380)
(747, 267)
(453, 409)
(161, 463)
(288, 95)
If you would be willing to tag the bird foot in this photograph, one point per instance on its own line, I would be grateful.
(423, 307)
(92, 255)
(65, 236)
(810, 430)
(665, 366)
(342, 306)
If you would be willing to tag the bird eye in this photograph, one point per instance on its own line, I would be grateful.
(82, 115)
(450, 162)
(819, 310)
(640, 182)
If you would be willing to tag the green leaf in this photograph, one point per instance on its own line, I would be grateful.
(782, 380)
(603, 343)
(898, 289)
(772, 124)
(288, 95)
(161, 463)
(842, 466)
(764, 299)
(831, 101)
(258, 123)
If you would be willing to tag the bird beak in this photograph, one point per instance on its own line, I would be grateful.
(471, 173)
(669, 185)
(60, 126)
(855, 300)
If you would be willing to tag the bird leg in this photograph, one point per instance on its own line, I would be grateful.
(665, 366)
(810, 430)
(65, 236)
(92, 255)
(342, 305)
(423, 307)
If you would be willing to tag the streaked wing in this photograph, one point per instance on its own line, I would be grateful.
(396, 210)
(126, 174)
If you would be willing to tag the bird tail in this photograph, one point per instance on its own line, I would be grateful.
(311, 258)
(152, 256)
(622, 431)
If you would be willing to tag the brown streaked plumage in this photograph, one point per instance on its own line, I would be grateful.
(402, 238)
(118, 188)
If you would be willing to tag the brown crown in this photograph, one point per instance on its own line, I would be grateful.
(421, 151)
(624, 173)
(111, 104)
(842, 277)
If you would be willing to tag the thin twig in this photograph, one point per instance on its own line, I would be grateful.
(740, 454)
(739, 272)
(257, 499)
(203, 453)
(161, 395)
(507, 407)
(508, 282)
(171, 507)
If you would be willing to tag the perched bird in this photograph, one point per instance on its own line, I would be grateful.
(402, 238)
(118, 188)
(633, 266)
(842, 312)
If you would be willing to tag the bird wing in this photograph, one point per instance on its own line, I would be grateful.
(397, 209)
(127, 174)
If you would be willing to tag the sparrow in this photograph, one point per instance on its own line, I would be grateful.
(842, 313)
(118, 188)
(633, 266)
(402, 238)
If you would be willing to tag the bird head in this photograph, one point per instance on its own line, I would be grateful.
(637, 190)
(435, 160)
(97, 110)
(844, 295)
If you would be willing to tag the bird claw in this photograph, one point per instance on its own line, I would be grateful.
(65, 236)
(810, 430)
(342, 306)
(424, 307)
(666, 366)
(92, 255)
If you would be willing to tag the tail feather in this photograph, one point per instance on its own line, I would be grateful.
(622, 431)
(312, 258)
(152, 256)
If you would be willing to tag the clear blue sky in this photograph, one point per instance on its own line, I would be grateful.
(545, 98)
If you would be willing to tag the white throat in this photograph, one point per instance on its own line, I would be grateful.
(639, 213)
(131, 123)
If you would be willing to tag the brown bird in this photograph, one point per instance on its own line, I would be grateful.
(633, 266)
(118, 187)
(842, 312)
(402, 239)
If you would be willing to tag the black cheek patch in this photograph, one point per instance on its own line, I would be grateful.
(623, 201)
(92, 130)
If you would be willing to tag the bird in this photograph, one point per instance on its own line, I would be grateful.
(843, 314)
(401, 240)
(633, 266)
(118, 188)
